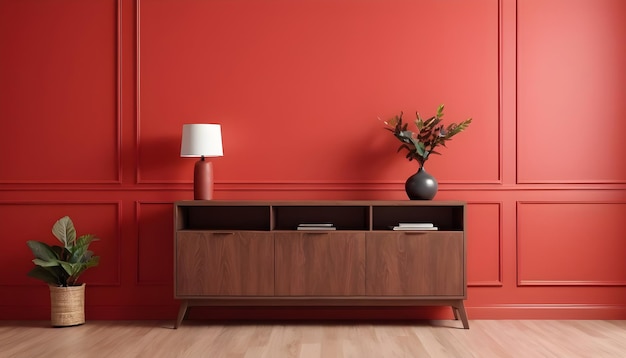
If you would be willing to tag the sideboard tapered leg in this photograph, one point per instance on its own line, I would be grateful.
(182, 312)
(459, 312)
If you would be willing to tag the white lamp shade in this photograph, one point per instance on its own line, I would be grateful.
(201, 140)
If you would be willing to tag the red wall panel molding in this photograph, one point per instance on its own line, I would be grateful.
(549, 311)
(571, 90)
(298, 101)
(571, 244)
(59, 92)
(484, 244)
(155, 227)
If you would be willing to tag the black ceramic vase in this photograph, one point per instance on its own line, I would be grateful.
(421, 185)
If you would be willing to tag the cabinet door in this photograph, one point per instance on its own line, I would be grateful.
(320, 264)
(415, 264)
(224, 263)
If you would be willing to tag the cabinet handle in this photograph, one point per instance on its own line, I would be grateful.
(224, 233)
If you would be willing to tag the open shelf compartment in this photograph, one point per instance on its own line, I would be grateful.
(288, 217)
(255, 218)
(445, 218)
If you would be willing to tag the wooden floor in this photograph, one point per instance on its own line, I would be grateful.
(484, 339)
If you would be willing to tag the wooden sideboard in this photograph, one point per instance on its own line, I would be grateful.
(251, 253)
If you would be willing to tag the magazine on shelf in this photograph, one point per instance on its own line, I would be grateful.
(413, 228)
(304, 228)
(316, 226)
(416, 225)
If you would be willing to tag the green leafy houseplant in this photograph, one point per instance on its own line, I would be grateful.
(429, 135)
(62, 265)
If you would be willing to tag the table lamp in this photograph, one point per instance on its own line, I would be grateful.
(202, 140)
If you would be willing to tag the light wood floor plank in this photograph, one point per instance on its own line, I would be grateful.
(435, 339)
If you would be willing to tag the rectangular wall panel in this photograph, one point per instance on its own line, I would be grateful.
(484, 250)
(58, 91)
(571, 90)
(155, 243)
(299, 87)
(571, 243)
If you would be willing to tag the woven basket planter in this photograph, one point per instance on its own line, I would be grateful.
(67, 305)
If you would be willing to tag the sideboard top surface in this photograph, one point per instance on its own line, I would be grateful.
(319, 203)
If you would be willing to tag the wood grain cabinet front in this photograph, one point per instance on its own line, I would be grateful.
(417, 263)
(320, 264)
(224, 264)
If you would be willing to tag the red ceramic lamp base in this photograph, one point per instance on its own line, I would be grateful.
(203, 180)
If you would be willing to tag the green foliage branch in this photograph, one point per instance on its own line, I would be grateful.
(429, 135)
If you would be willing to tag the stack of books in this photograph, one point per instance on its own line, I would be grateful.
(316, 226)
(414, 226)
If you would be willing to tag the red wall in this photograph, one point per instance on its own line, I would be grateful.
(93, 95)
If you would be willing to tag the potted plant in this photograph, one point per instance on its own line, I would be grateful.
(60, 267)
(420, 144)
